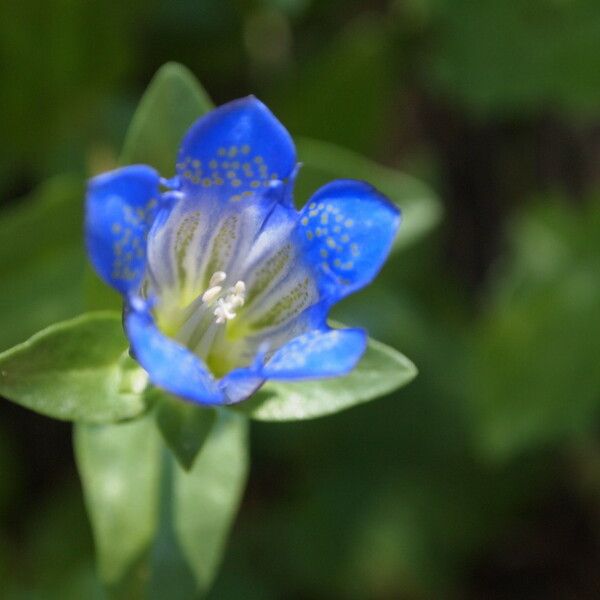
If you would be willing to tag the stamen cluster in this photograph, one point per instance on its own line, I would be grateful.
(226, 305)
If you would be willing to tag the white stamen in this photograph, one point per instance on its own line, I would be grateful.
(235, 301)
(224, 311)
(217, 278)
(226, 303)
(211, 293)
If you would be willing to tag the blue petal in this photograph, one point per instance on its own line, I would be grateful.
(170, 365)
(237, 151)
(241, 383)
(316, 354)
(347, 229)
(120, 208)
(258, 343)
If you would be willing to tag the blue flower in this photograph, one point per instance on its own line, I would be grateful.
(225, 283)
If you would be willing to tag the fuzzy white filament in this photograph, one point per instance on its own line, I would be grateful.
(211, 293)
(226, 306)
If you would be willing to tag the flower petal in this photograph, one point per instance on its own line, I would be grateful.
(235, 152)
(120, 208)
(347, 229)
(240, 384)
(170, 365)
(316, 354)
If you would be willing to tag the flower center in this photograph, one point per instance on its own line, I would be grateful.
(227, 303)
(202, 325)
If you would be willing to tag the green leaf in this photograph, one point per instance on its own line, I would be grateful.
(381, 371)
(42, 259)
(77, 370)
(207, 498)
(184, 427)
(322, 162)
(120, 469)
(197, 508)
(173, 100)
(160, 530)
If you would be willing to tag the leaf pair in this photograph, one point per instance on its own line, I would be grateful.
(159, 530)
(79, 370)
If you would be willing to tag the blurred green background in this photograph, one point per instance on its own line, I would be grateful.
(479, 480)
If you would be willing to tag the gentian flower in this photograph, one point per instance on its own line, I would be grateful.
(225, 283)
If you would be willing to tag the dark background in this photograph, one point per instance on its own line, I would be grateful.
(482, 478)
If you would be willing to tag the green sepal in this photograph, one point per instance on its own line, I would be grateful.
(76, 370)
(380, 371)
(184, 426)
